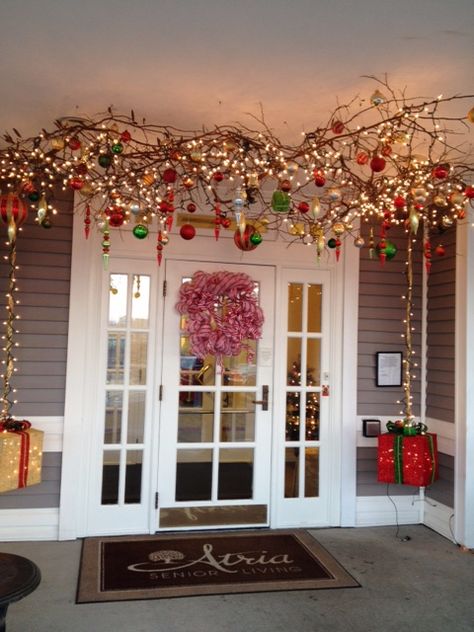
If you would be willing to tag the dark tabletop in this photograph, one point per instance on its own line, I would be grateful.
(18, 578)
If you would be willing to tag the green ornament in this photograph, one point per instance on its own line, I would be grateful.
(117, 148)
(46, 223)
(332, 243)
(281, 201)
(34, 196)
(390, 250)
(140, 231)
(104, 160)
(256, 238)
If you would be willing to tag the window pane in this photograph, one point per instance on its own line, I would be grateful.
(136, 416)
(195, 426)
(293, 416)
(235, 473)
(138, 357)
(237, 417)
(115, 357)
(140, 301)
(294, 362)
(113, 416)
(292, 462)
(110, 477)
(118, 300)
(133, 478)
(313, 376)
(312, 417)
(295, 306)
(311, 473)
(193, 474)
(240, 370)
(194, 371)
(315, 293)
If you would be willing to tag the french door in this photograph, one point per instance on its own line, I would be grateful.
(216, 420)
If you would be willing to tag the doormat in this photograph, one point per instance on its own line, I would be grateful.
(184, 565)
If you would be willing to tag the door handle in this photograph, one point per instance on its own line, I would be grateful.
(264, 401)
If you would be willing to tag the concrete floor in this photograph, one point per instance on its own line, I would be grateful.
(425, 584)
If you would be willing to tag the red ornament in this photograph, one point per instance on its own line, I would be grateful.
(187, 231)
(87, 221)
(218, 176)
(12, 208)
(440, 172)
(386, 150)
(191, 207)
(169, 176)
(81, 169)
(399, 202)
(337, 127)
(303, 207)
(225, 222)
(243, 241)
(440, 250)
(362, 158)
(319, 178)
(285, 185)
(28, 187)
(469, 192)
(74, 143)
(377, 164)
(125, 136)
(76, 183)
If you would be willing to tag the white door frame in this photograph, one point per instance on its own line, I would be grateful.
(85, 293)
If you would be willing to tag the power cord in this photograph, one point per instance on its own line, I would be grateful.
(405, 538)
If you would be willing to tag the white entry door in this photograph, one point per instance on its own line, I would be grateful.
(216, 421)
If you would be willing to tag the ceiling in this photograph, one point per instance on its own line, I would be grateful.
(190, 63)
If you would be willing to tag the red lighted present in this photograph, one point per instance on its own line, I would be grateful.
(408, 460)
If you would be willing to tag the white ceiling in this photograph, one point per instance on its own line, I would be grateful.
(194, 62)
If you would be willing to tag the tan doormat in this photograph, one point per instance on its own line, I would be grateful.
(184, 565)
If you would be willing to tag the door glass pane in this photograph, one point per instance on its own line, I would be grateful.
(237, 417)
(110, 477)
(312, 417)
(138, 357)
(311, 473)
(293, 416)
(140, 301)
(235, 473)
(295, 306)
(195, 371)
(113, 417)
(315, 293)
(136, 416)
(313, 377)
(294, 362)
(133, 477)
(118, 300)
(241, 370)
(196, 426)
(193, 474)
(292, 462)
(115, 357)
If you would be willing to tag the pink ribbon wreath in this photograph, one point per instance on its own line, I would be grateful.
(222, 314)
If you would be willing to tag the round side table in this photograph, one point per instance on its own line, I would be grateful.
(18, 578)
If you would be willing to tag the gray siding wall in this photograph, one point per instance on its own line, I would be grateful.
(440, 331)
(43, 281)
(381, 315)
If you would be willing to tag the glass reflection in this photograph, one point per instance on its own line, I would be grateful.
(138, 358)
(235, 473)
(110, 477)
(140, 301)
(113, 416)
(295, 306)
(133, 476)
(312, 417)
(315, 294)
(136, 416)
(118, 285)
(292, 469)
(237, 417)
(294, 362)
(115, 357)
(311, 473)
(193, 475)
(313, 377)
(196, 426)
(195, 371)
(293, 416)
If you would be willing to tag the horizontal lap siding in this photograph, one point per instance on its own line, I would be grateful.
(441, 332)
(43, 281)
(367, 483)
(381, 316)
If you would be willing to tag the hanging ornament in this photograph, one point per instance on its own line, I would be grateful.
(303, 207)
(381, 251)
(106, 245)
(13, 212)
(125, 136)
(389, 249)
(285, 185)
(74, 143)
(386, 150)
(337, 127)
(34, 195)
(148, 179)
(104, 160)
(399, 202)
(217, 221)
(81, 169)
(413, 220)
(243, 241)
(338, 248)
(191, 207)
(469, 192)
(320, 243)
(334, 194)
(359, 242)
(319, 177)
(218, 176)
(419, 194)
(470, 115)
(280, 201)
(87, 221)
(315, 207)
(440, 172)
(117, 148)
(87, 189)
(447, 221)
(225, 222)
(292, 167)
(76, 183)
(377, 98)
(440, 250)
(377, 164)
(256, 238)
(42, 209)
(116, 216)
(57, 143)
(427, 255)
(332, 242)
(169, 176)
(140, 231)
(362, 158)
(187, 231)
(371, 244)
(338, 228)
(188, 183)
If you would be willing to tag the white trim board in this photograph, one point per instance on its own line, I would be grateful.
(53, 432)
(29, 524)
(374, 511)
(438, 517)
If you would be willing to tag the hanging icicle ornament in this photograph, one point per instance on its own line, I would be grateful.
(106, 244)
(87, 221)
(371, 244)
(217, 220)
(13, 212)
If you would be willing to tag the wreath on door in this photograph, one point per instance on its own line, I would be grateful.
(222, 314)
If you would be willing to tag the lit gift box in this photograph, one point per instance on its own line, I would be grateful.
(408, 460)
(21, 453)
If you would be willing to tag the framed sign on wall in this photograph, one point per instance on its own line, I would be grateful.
(389, 368)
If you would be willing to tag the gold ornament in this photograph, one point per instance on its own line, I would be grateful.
(377, 98)
(470, 115)
(338, 228)
(414, 220)
(58, 143)
(315, 207)
(148, 179)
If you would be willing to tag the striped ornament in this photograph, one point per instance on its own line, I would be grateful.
(12, 210)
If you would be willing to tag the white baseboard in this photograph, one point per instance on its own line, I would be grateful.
(374, 511)
(29, 524)
(437, 517)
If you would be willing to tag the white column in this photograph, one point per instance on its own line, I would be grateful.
(464, 408)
